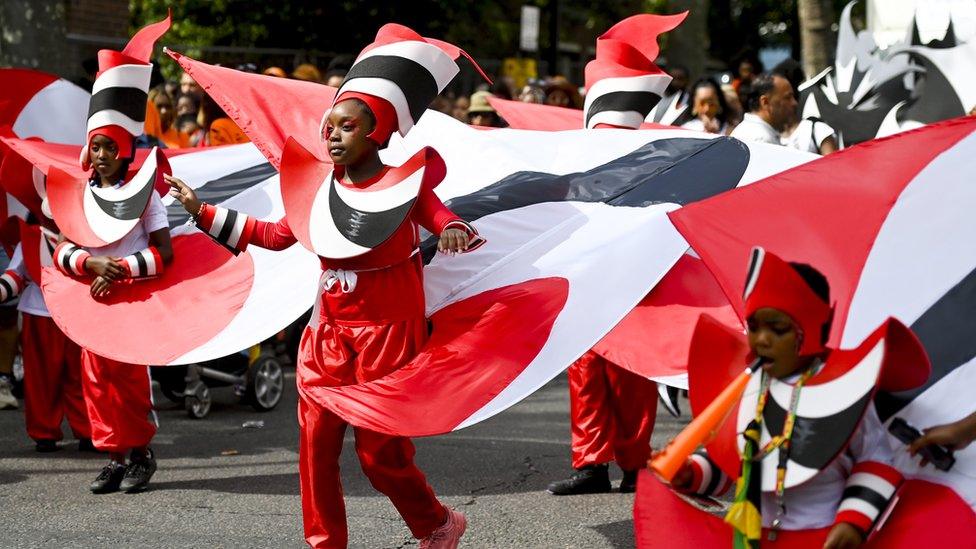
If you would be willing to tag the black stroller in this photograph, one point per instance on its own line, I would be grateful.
(256, 374)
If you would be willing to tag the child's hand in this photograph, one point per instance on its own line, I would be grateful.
(954, 436)
(106, 267)
(453, 241)
(100, 287)
(843, 536)
(682, 479)
(184, 194)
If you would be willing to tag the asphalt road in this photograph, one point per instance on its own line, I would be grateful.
(221, 485)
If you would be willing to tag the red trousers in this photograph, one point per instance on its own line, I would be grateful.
(52, 381)
(612, 412)
(119, 400)
(332, 355)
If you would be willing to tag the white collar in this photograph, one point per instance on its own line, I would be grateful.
(755, 119)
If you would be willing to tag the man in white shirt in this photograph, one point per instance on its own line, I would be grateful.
(772, 106)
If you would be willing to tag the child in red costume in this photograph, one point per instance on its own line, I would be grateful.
(838, 497)
(52, 362)
(613, 410)
(368, 321)
(118, 396)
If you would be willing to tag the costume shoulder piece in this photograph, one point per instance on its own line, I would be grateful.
(623, 84)
(830, 406)
(96, 216)
(337, 221)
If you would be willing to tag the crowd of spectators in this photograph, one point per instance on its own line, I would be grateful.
(182, 115)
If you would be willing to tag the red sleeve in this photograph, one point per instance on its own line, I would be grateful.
(273, 236)
(431, 213)
(236, 230)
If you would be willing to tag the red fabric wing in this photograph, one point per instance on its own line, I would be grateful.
(663, 519)
(17, 178)
(163, 318)
(531, 116)
(929, 515)
(654, 339)
(826, 213)
(478, 346)
(267, 109)
(19, 87)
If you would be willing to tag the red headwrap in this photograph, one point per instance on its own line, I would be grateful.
(774, 283)
(383, 112)
(123, 140)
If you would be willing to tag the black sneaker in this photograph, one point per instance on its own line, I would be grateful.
(592, 479)
(86, 445)
(109, 479)
(628, 485)
(138, 473)
(46, 446)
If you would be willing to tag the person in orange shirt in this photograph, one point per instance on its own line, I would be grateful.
(221, 129)
(166, 131)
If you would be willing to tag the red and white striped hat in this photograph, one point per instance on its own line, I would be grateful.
(117, 108)
(623, 84)
(403, 72)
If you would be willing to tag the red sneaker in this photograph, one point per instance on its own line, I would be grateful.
(448, 534)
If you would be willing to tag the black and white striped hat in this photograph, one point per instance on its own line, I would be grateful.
(404, 69)
(623, 84)
(118, 103)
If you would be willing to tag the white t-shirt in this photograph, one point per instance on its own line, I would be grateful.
(808, 136)
(756, 129)
(153, 219)
(31, 299)
(814, 503)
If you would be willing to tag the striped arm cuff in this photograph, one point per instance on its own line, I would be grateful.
(707, 478)
(475, 240)
(70, 259)
(11, 284)
(867, 494)
(144, 263)
(230, 228)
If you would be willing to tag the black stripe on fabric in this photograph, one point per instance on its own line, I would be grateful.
(864, 493)
(416, 82)
(366, 229)
(6, 287)
(218, 190)
(141, 261)
(130, 208)
(817, 440)
(946, 331)
(674, 170)
(229, 221)
(128, 101)
(623, 101)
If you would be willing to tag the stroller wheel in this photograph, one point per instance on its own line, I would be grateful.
(197, 400)
(265, 383)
